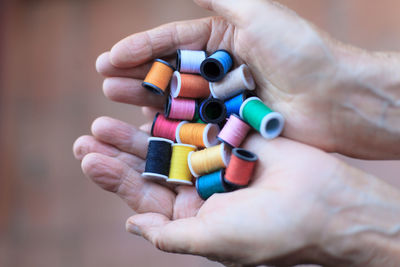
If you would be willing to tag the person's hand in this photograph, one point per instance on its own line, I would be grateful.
(302, 205)
(319, 85)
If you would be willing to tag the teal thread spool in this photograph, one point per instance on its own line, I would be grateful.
(212, 183)
(266, 121)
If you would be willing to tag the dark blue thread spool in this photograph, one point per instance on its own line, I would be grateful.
(158, 158)
(215, 67)
(233, 104)
(212, 183)
(212, 110)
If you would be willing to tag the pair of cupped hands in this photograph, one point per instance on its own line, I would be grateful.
(301, 198)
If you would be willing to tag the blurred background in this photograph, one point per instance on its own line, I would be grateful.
(50, 214)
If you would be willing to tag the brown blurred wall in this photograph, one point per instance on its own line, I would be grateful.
(50, 215)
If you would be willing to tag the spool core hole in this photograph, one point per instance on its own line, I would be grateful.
(211, 69)
(213, 110)
(272, 126)
(244, 153)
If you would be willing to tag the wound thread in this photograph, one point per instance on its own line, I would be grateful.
(212, 110)
(163, 127)
(197, 134)
(189, 61)
(262, 118)
(179, 172)
(189, 86)
(234, 131)
(233, 104)
(181, 108)
(159, 76)
(212, 183)
(216, 66)
(233, 83)
(158, 158)
(209, 160)
(241, 167)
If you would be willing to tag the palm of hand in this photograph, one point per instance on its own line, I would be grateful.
(114, 157)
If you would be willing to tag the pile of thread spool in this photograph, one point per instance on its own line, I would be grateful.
(208, 113)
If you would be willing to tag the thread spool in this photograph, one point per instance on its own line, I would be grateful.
(233, 104)
(181, 108)
(189, 61)
(268, 122)
(189, 86)
(163, 127)
(234, 131)
(179, 172)
(212, 183)
(208, 160)
(212, 110)
(198, 134)
(234, 82)
(157, 79)
(158, 158)
(240, 168)
(216, 66)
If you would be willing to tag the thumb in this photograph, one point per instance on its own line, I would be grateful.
(187, 236)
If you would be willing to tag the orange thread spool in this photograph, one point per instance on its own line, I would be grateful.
(189, 85)
(241, 166)
(157, 79)
(198, 134)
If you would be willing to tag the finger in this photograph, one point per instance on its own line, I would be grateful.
(88, 144)
(150, 112)
(146, 127)
(142, 47)
(115, 176)
(130, 91)
(121, 135)
(105, 68)
(188, 236)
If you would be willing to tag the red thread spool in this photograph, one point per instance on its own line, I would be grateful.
(189, 85)
(240, 168)
(162, 127)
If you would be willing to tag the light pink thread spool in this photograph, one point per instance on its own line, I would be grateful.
(181, 108)
(234, 131)
(235, 81)
(163, 127)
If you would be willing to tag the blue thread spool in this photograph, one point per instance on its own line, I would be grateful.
(212, 110)
(158, 158)
(233, 104)
(216, 66)
(212, 183)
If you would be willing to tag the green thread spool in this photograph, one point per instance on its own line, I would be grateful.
(263, 119)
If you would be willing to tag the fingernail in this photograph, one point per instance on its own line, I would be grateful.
(132, 228)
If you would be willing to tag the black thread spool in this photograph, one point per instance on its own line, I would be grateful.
(213, 110)
(158, 158)
(215, 67)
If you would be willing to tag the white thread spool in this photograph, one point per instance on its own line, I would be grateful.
(234, 82)
(189, 61)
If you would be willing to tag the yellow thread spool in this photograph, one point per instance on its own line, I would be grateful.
(197, 134)
(209, 160)
(157, 79)
(179, 172)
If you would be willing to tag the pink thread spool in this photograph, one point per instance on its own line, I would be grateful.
(234, 131)
(164, 128)
(189, 61)
(235, 81)
(181, 108)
